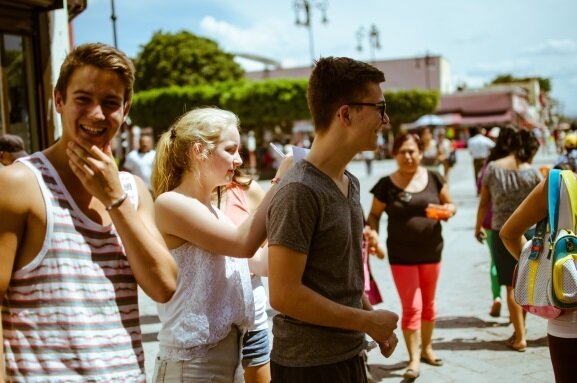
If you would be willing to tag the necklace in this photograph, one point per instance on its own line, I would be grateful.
(405, 196)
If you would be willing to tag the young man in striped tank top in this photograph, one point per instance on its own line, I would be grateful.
(76, 236)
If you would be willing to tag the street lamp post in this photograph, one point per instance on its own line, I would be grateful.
(113, 18)
(374, 42)
(428, 63)
(304, 7)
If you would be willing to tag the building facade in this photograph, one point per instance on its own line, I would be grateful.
(34, 39)
(423, 72)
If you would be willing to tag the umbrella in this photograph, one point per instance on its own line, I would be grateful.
(429, 120)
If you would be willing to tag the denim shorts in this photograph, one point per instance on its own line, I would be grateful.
(255, 348)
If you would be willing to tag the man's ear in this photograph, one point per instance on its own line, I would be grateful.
(343, 114)
(58, 101)
(127, 106)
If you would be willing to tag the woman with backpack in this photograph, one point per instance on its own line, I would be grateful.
(561, 331)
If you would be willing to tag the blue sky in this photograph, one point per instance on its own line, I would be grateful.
(479, 38)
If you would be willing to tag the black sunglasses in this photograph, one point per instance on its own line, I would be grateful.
(381, 106)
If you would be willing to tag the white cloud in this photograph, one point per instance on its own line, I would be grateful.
(553, 46)
(271, 38)
(496, 67)
(236, 38)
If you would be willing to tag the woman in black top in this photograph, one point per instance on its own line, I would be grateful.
(415, 199)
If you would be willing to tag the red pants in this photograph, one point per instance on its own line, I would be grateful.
(416, 285)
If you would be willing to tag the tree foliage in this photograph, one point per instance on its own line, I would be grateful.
(544, 83)
(183, 59)
(407, 106)
(261, 105)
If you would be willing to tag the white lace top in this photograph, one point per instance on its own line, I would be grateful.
(213, 293)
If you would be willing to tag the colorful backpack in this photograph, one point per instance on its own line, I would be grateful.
(564, 254)
(532, 278)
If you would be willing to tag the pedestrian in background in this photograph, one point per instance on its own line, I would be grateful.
(76, 236)
(433, 154)
(501, 149)
(368, 156)
(568, 160)
(479, 146)
(561, 331)
(405, 196)
(506, 183)
(449, 157)
(237, 200)
(140, 161)
(315, 233)
(202, 325)
(11, 148)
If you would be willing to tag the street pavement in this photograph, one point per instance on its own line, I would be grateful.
(471, 343)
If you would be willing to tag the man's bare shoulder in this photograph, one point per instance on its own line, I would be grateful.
(17, 187)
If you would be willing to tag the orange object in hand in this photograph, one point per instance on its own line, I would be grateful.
(437, 212)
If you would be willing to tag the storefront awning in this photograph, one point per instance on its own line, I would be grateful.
(31, 4)
(490, 119)
(18, 16)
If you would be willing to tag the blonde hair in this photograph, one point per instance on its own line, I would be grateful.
(202, 126)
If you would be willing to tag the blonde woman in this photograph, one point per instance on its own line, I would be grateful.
(203, 323)
(237, 200)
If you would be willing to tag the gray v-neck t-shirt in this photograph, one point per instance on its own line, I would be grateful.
(309, 214)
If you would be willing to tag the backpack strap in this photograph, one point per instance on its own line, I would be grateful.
(537, 243)
(571, 185)
(553, 201)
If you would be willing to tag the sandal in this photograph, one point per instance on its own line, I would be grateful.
(411, 374)
(437, 362)
(518, 349)
(511, 339)
(495, 309)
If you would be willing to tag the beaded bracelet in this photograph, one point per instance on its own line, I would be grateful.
(118, 202)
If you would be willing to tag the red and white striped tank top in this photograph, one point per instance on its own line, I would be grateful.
(71, 315)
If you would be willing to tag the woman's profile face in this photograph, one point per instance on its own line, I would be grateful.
(408, 156)
(225, 158)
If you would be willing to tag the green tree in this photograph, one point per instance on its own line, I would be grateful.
(183, 59)
(544, 83)
(261, 105)
(408, 105)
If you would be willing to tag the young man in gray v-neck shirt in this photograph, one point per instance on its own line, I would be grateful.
(315, 224)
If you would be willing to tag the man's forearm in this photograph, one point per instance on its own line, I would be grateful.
(366, 303)
(153, 266)
(304, 304)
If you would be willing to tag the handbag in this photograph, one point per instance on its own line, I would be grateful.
(374, 294)
(532, 277)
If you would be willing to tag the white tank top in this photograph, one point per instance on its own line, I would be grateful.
(71, 315)
(213, 293)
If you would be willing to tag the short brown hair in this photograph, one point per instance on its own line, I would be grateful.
(101, 56)
(335, 81)
(400, 140)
